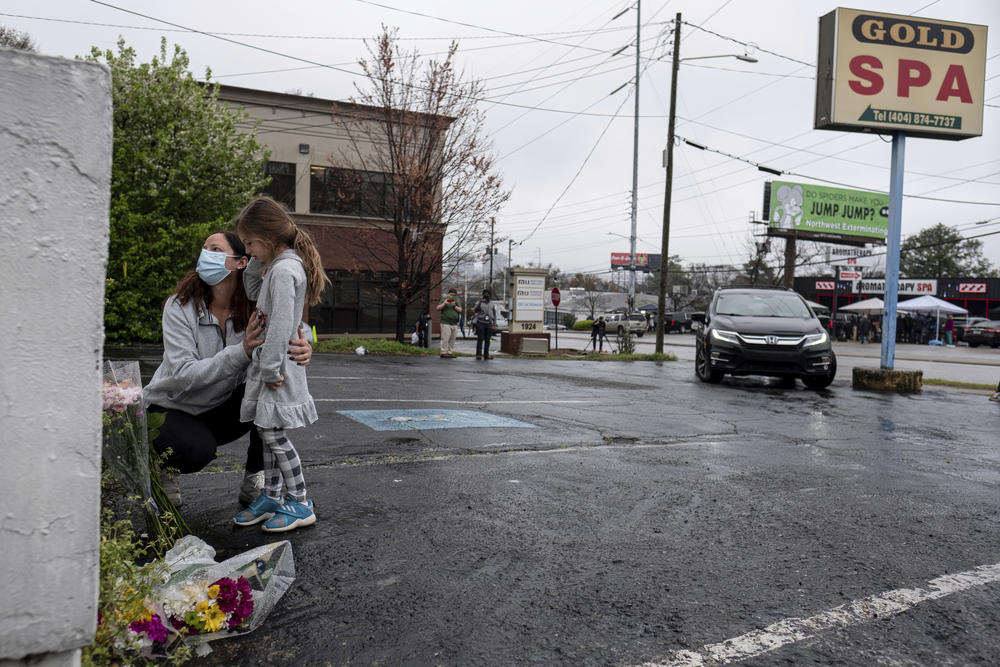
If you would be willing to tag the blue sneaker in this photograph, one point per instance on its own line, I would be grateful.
(261, 509)
(291, 515)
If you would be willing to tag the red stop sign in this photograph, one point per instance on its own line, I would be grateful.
(555, 296)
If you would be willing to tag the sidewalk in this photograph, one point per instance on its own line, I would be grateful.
(960, 354)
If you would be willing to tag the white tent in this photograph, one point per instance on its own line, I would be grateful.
(931, 304)
(870, 306)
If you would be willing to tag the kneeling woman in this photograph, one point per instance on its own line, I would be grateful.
(209, 333)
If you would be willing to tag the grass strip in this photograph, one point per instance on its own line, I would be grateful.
(960, 385)
(377, 346)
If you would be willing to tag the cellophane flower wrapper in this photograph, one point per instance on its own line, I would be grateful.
(255, 579)
(125, 449)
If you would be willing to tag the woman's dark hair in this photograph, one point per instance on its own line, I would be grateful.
(192, 286)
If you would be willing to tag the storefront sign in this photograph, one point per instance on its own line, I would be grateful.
(852, 257)
(917, 287)
(972, 288)
(529, 295)
(885, 72)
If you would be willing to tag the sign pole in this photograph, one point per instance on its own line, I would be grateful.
(892, 249)
(556, 297)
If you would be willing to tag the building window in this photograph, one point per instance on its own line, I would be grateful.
(350, 192)
(282, 185)
(362, 303)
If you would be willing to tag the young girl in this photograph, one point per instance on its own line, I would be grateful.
(285, 272)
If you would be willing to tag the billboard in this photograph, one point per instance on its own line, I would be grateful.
(644, 261)
(821, 213)
(885, 73)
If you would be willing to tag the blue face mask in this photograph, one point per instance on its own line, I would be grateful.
(212, 266)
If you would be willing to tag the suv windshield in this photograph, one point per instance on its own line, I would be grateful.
(764, 304)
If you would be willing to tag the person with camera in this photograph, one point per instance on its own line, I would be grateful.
(450, 314)
(597, 333)
(485, 321)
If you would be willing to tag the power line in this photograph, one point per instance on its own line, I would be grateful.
(336, 68)
(816, 178)
(749, 45)
(467, 25)
(578, 171)
(310, 37)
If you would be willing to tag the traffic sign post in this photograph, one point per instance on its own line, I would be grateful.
(555, 302)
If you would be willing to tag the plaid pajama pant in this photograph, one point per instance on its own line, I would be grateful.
(281, 465)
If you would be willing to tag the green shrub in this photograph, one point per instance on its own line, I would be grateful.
(583, 325)
(568, 320)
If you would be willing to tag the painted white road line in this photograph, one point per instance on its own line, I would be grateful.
(791, 630)
(441, 400)
(387, 379)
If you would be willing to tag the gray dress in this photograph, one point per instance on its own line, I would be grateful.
(280, 295)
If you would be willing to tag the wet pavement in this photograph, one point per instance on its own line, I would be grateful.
(630, 514)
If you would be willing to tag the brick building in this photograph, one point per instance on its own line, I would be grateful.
(313, 174)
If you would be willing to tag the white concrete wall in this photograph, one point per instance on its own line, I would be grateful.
(55, 143)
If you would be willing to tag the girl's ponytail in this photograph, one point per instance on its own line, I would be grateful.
(316, 278)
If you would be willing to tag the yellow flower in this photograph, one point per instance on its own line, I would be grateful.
(213, 591)
(214, 618)
(201, 606)
(146, 612)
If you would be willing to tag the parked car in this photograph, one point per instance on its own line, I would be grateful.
(763, 331)
(616, 323)
(983, 333)
(678, 321)
(962, 327)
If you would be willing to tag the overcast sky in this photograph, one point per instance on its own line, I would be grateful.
(546, 62)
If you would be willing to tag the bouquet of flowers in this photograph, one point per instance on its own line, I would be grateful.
(198, 599)
(126, 452)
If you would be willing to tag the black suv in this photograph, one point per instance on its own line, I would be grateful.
(755, 331)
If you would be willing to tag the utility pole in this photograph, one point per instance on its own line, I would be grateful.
(492, 222)
(661, 296)
(635, 162)
(510, 249)
(788, 279)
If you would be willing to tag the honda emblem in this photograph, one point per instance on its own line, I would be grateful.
(771, 340)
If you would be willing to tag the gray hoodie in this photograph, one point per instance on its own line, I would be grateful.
(198, 372)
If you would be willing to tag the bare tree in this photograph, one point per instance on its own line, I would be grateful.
(15, 39)
(422, 176)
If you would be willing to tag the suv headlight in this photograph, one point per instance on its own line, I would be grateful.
(816, 339)
(728, 336)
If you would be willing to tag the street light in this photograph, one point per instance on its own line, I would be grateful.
(661, 297)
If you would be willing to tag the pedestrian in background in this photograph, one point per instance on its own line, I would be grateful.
(451, 312)
(949, 331)
(424, 330)
(484, 319)
(864, 329)
(597, 331)
(996, 395)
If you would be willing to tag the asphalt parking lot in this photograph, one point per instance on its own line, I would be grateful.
(595, 513)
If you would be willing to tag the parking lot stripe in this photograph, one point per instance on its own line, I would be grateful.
(791, 630)
(386, 378)
(444, 400)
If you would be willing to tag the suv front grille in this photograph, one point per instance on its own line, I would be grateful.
(772, 341)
